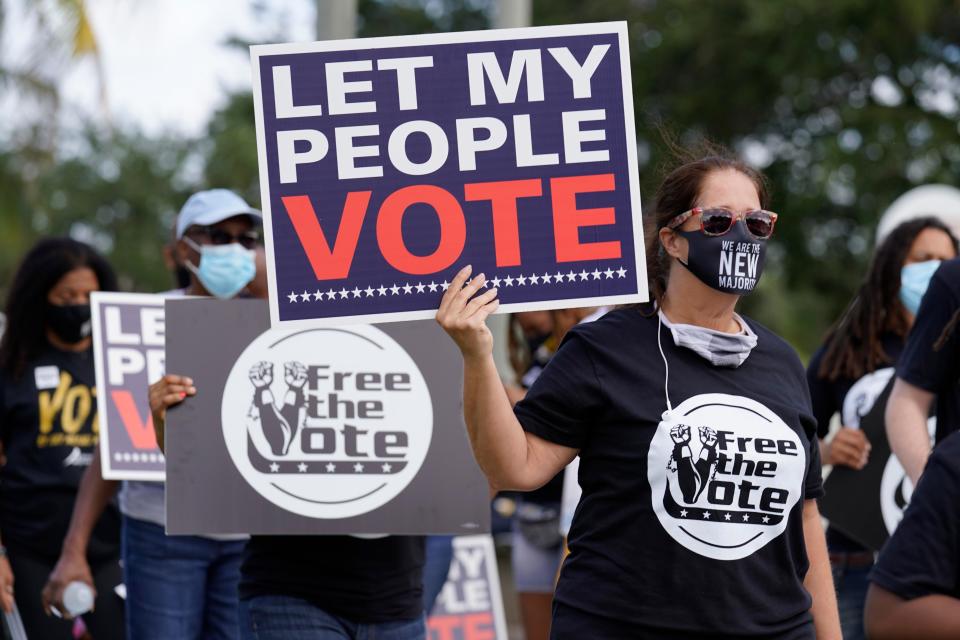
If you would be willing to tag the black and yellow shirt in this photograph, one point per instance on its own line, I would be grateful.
(48, 427)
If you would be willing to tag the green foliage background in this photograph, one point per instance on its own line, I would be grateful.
(845, 104)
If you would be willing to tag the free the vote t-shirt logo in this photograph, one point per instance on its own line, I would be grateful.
(724, 473)
(327, 423)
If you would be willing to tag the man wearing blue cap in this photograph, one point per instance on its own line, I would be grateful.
(180, 587)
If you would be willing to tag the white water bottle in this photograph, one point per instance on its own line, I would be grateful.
(77, 598)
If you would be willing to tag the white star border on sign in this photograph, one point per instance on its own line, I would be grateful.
(496, 281)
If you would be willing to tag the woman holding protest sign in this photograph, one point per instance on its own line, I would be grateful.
(699, 462)
(854, 366)
(48, 409)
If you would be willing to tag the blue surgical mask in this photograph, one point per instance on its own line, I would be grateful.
(224, 269)
(914, 280)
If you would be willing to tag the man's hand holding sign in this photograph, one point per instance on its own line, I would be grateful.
(388, 166)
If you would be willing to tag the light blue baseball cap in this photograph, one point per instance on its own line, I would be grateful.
(213, 206)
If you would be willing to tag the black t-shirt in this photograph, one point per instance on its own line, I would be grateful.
(690, 523)
(922, 557)
(923, 365)
(48, 425)
(853, 399)
(360, 579)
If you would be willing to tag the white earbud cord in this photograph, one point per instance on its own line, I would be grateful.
(666, 365)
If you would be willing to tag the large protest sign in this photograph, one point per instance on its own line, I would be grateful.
(868, 504)
(470, 605)
(387, 164)
(128, 343)
(354, 429)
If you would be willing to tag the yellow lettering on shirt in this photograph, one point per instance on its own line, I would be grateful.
(76, 409)
(50, 405)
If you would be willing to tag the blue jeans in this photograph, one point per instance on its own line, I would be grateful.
(182, 587)
(851, 587)
(286, 618)
(439, 556)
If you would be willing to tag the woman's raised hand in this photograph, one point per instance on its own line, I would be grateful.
(463, 314)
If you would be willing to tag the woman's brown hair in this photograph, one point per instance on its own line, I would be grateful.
(679, 192)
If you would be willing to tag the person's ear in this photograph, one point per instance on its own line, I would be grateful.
(674, 244)
(183, 252)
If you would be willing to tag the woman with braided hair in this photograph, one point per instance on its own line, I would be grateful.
(854, 366)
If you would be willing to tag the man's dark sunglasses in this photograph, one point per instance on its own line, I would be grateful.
(247, 240)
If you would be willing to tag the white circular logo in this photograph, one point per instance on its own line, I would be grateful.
(328, 422)
(724, 473)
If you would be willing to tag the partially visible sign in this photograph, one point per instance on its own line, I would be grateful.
(387, 164)
(470, 605)
(128, 343)
(354, 429)
(867, 505)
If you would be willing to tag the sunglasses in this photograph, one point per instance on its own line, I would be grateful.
(716, 221)
(247, 240)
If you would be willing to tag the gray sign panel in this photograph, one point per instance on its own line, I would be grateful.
(356, 429)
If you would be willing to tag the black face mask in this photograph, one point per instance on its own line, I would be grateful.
(71, 322)
(731, 263)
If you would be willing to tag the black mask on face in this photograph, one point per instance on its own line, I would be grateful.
(71, 322)
(731, 263)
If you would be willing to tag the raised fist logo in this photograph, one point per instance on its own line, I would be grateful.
(708, 437)
(680, 434)
(261, 374)
(279, 424)
(294, 374)
(693, 474)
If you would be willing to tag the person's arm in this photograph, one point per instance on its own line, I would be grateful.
(510, 457)
(92, 498)
(819, 579)
(889, 617)
(906, 421)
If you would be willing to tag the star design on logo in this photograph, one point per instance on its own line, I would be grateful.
(292, 297)
(433, 286)
(558, 277)
(621, 272)
(706, 515)
(596, 274)
(395, 290)
(522, 280)
(508, 281)
(386, 467)
(274, 467)
(683, 513)
(571, 277)
(331, 467)
(421, 287)
(746, 517)
(495, 282)
(302, 467)
(369, 291)
(547, 278)
(765, 519)
(344, 293)
(584, 275)
(305, 296)
(382, 290)
(726, 516)
(407, 288)
(534, 279)
(356, 292)
(317, 295)
(331, 295)
(609, 274)
(358, 467)
(445, 285)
